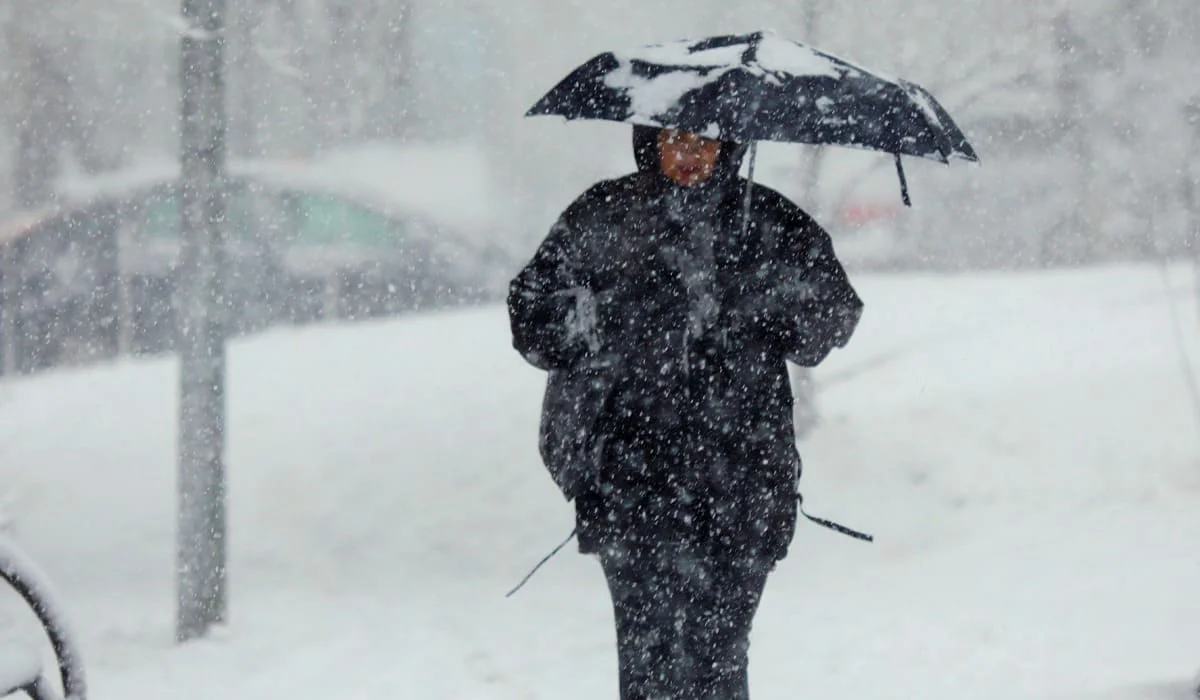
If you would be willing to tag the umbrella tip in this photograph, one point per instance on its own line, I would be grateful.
(903, 181)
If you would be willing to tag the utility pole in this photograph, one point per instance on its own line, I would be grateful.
(201, 543)
(1073, 240)
(1191, 187)
(810, 173)
(804, 412)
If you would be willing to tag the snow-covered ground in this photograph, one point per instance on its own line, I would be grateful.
(1022, 446)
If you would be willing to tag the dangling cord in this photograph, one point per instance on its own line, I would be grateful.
(832, 525)
(545, 559)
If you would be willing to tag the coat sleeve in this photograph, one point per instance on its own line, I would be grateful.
(801, 301)
(550, 306)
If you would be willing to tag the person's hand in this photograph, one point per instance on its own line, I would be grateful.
(582, 322)
(589, 315)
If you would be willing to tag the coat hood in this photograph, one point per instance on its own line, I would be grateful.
(645, 154)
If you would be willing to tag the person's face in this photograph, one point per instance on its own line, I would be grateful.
(686, 158)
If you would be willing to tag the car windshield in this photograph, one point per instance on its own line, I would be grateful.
(325, 219)
(300, 218)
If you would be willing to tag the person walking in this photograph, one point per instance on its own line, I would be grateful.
(664, 318)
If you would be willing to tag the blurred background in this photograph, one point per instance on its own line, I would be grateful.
(397, 125)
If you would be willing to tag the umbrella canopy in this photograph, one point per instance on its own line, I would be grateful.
(759, 87)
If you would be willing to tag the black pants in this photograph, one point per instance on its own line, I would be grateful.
(683, 621)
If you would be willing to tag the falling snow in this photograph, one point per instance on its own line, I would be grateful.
(1014, 416)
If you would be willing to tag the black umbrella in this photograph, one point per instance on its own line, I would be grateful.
(758, 87)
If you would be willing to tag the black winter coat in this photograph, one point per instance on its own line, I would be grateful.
(686, 323)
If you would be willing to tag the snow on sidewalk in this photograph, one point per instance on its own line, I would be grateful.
(1024, 451)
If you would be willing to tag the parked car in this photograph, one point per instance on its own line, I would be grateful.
(97, 277)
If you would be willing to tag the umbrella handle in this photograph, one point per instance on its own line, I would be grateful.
(749, 190)
(903, 182)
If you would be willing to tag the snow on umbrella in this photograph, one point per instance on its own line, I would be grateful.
(759, 87)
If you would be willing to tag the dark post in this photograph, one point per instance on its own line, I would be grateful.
(201, 339)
